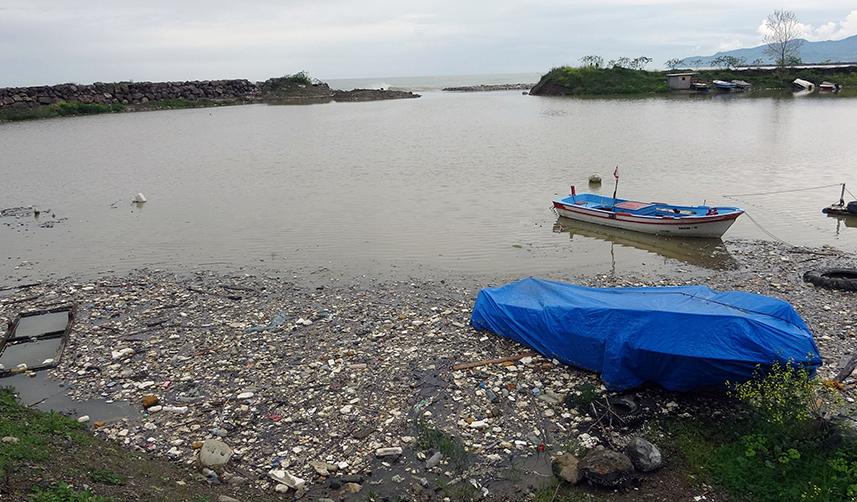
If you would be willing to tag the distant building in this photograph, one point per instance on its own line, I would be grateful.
(680, 81)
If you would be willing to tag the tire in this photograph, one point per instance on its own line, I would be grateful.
(833, 278)
(852, 207)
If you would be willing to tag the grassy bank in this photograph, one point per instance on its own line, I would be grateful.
(569, 81)
(76, 108)
(47, 457)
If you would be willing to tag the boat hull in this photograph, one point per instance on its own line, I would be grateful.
(711, 227)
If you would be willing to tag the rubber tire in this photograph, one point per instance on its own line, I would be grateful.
(822, 278)
(852, 207)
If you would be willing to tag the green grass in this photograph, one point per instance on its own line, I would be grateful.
(107, 477)
(777, 446)
(452, 448)
(590, 80)
(567, 80)
(34, 431)
(64, 493)
(59, 109)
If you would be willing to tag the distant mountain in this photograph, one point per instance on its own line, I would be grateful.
(844, 50)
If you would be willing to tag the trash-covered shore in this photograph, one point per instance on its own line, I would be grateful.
(351, 388)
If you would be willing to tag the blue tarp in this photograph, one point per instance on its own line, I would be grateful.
(681, 338)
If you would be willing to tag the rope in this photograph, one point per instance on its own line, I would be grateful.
(782, 191)
(769, 234)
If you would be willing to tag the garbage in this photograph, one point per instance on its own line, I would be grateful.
(139, 198)
(214, 453)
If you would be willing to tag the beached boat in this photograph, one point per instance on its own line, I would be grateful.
(828, 87)
(699, 86)
(648, 217)
(742, 85)
(683, 338)
(722, 85)
(800, 84)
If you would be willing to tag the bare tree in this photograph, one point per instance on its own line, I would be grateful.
(782, 30)
(728, 62)
(592, 61)
(640, 62)
(674, 63)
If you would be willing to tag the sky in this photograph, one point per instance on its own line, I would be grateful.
(46, 42)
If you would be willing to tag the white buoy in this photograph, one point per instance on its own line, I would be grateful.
(139, 198)
(595, 179)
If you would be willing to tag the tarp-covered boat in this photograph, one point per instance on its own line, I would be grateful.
(682, 338)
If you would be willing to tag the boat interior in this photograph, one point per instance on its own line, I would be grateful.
(599, 202)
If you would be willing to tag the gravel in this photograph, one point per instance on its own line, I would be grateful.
(303, 379)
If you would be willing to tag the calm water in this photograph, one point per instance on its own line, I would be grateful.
(458, 182)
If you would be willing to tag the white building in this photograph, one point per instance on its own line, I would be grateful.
(678, 81)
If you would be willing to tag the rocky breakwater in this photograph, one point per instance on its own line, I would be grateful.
(489, 88)
(129, 93)
(300, 90)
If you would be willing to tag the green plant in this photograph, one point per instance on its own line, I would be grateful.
(63, 493)
(107, 477)
(780, 444)
(452, 448)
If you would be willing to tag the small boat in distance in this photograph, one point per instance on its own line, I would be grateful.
(648, 217)
(742, 85)
(829, 87)
(800, 84)
(723, 85)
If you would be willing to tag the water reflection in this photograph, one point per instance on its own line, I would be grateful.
(843, 222)
(705, 253)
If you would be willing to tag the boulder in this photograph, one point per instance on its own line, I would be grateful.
(644, 455)
(214, 453)
(565, 467)
(606, 468)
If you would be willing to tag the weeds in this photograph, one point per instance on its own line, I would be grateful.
(64, 493)
(107, 477)
(31, 430)
(782, 446)
(452, 448)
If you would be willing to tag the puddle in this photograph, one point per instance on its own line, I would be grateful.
(35, 354)
(34, 325)
(42, 393)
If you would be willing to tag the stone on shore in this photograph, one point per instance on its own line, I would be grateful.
(565, 467)
(214, 453)
(606, 468)
(645, 456)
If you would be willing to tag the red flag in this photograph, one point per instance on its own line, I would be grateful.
(616, 172)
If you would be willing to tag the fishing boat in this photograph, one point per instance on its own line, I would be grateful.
(723, 85)
(742, 85)
(648, 217)
(800, 84)
(829, 87)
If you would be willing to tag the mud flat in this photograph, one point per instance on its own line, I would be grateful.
(341, 388)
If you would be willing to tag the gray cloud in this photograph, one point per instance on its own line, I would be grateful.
(45, 42)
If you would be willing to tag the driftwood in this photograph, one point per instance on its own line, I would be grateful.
(204, 292)
(847, 368)
(485, 362)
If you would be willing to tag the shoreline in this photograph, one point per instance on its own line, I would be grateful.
(356, 365)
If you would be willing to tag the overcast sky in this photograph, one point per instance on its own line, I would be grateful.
(53, 41)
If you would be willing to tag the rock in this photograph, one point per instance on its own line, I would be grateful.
(645, 456)
(388, 452)
(10, 440)
(150, 400)
(214, 453)
(83, 419)
(122, 353)
(244, 395)
(284, 477)
(281, 488)
(322, 468)
(236, 480)
(434, 460)
(565, 467)
(606, 468)
(347, 409)
(352, 487)
(226, 498)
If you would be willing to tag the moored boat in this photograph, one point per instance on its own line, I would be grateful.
(800, 84)
(742, 85)
(648, 217)
(828, 87)
(723, 85)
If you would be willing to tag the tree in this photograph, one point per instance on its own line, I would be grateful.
(781, 36)
(592, 61)
(640, 62)
(674, 63)
(729, 62)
